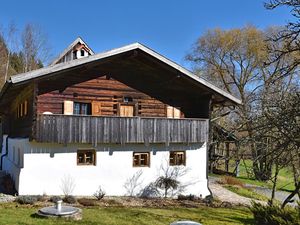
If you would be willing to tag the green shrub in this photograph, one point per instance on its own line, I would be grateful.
(87, 202)
(70, 199)
(27, 199)
(274, 215)
(54, 199)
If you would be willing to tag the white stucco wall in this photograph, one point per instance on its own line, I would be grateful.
(43, 166)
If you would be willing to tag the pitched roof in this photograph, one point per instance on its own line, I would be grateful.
(20, 78)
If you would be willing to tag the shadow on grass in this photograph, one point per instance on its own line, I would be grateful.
(37, 216)
(246, 221)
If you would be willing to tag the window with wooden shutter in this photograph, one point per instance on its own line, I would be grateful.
(68, 107)
(173, 112)
(177, 158)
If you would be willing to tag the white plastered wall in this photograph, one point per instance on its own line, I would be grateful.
(44, 166)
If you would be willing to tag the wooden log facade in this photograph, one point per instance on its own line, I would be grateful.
(119, 130)
(106, 90)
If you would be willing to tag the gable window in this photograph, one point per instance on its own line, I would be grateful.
(80, 108)
(177, 158)
(81, 52)
(141, 159)
(86, 157)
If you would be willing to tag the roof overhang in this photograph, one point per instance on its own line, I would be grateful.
(98, 58)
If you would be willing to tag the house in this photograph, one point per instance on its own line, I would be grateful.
(97, 119)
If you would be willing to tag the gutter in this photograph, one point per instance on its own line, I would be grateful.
(6, 152)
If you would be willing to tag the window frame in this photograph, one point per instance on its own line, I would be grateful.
(139, 163)
(173, 161)
(84, 151)
(88, 109)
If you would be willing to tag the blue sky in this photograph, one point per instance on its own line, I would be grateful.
(167, 26)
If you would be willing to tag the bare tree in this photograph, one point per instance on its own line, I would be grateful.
(35, 47)
(67, 185)
(234, 59)
(289, 36)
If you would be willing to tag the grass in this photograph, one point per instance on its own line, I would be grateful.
(246, 192)
(285, 176)
(12, 213)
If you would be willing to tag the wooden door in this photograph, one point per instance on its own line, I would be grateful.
(126, 110)
(96, 108)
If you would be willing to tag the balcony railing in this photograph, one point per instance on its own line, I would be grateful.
(121, 130)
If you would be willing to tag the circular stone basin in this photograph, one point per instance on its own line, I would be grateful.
(65, 212)
(185, 223)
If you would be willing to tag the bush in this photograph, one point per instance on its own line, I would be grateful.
(99, 194)
(54, 199)
(186, 197)
(70, 199)
(27, 199)
(231, 181)
(274, 215)
(87, 202)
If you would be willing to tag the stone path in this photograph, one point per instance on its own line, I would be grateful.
(225, 195)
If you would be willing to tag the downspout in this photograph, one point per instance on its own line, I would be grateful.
(6, 152)
(209, 139)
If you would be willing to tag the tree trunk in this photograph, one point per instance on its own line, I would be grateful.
(288, 199)
(274, 184)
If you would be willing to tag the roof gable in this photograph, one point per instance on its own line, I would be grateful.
(67, 53)
(56, 68)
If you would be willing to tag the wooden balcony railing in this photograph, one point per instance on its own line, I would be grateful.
(122, 130)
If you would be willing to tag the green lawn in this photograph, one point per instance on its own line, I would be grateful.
(285, 177)
(246, 192)
(25, 215)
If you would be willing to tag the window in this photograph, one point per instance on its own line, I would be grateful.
(75, 54)
(22, 109)
(81, 52)
(86, 157)
(128, 99)
(82, 108)
(141, 159)
(177, 158)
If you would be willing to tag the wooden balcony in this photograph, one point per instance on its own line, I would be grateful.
(121, 130)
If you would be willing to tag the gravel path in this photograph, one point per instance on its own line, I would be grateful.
(225, 195)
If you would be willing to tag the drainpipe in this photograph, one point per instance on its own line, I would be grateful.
(6, 152)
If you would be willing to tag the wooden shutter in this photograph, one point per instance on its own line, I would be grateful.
(173, 112)
(126, 110)
(68, 107)
(169, 111)
(176, 113)
(96, 108)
